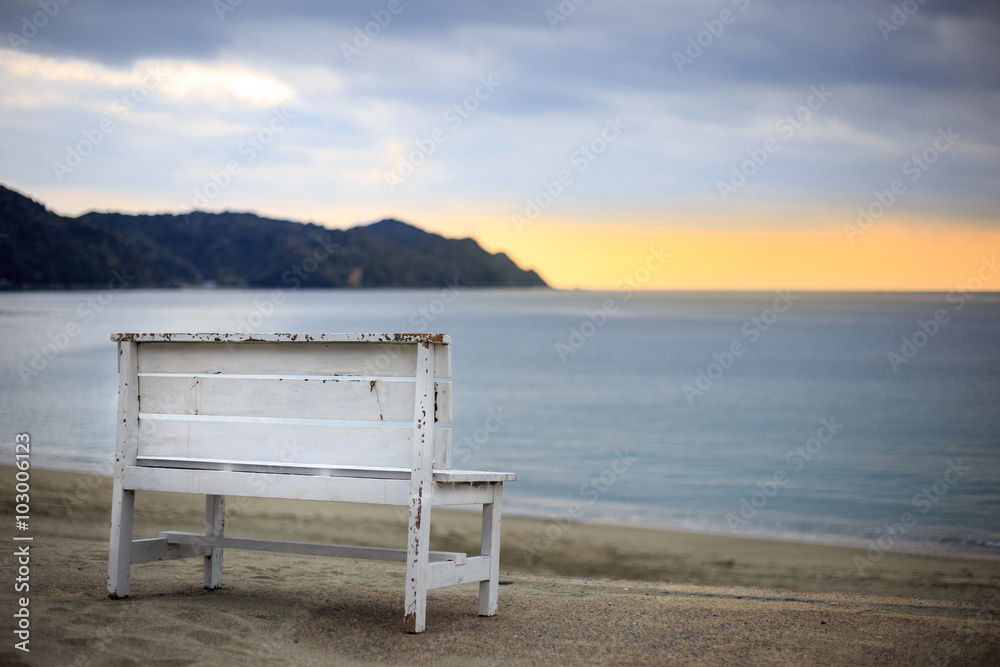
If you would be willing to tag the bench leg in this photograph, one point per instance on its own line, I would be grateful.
(120, 550)
(488, 590)
(215, 517)
(417, 565)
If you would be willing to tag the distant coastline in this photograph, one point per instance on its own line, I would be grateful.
(41, 250)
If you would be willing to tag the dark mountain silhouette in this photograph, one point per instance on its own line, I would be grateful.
(41, 249)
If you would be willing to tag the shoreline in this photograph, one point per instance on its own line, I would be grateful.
(903, 546)
(77, 505)
(900, 546)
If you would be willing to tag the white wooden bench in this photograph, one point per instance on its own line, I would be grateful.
(339, 417)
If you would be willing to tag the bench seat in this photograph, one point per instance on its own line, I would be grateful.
(373, 472)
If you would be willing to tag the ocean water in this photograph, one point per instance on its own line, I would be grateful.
(838, 418)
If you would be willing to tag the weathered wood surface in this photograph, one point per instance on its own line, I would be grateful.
(421, 493)
(215, 518)
(285, 442)
(147, 551)
(126, 451)
(286, 398)
(336, 417)
(450, 573)
(283, 337)
(307, 358)
(366, 490)
(269, 485)
(302, 548)
(321, 470)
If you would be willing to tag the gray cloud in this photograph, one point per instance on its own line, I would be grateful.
(892, 90)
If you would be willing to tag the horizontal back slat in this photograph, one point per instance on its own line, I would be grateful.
(333, 398)
(286, 443)
(289, 358)
(263, 485)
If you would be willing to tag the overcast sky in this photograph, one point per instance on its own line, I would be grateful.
(459, 116)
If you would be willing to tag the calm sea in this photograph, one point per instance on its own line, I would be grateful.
(823, 417)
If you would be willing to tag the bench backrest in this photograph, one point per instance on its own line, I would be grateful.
(328, 399)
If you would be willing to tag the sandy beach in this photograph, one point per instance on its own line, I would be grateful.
(596, 594)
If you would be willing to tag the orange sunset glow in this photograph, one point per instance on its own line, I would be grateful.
(888, 256)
